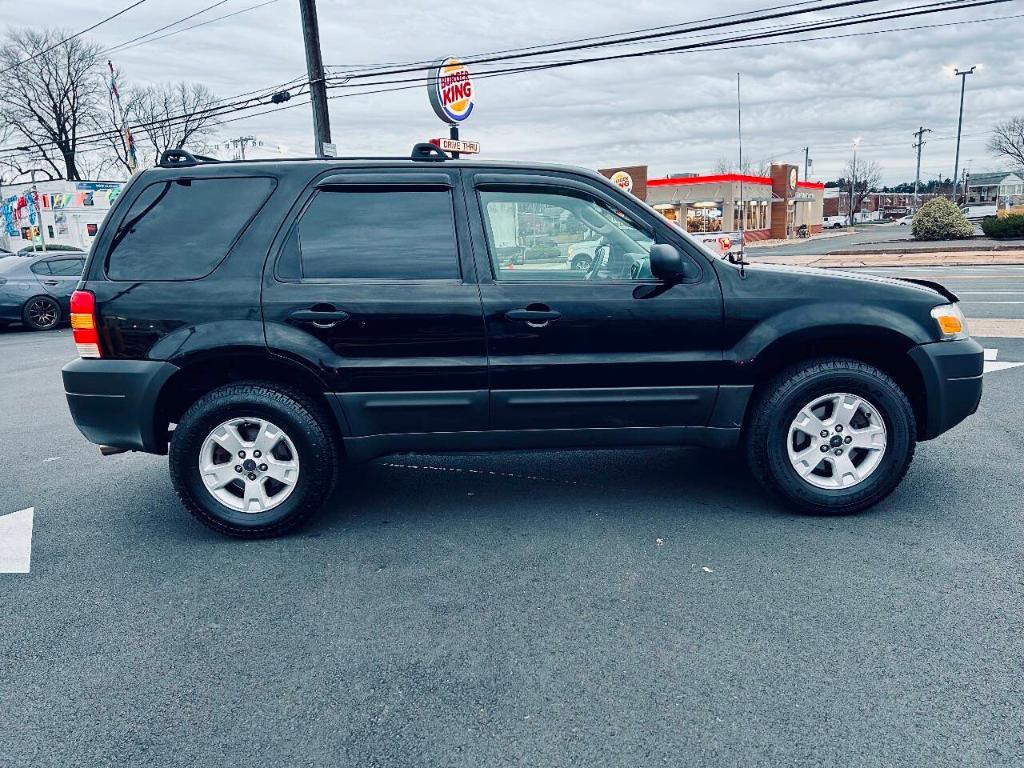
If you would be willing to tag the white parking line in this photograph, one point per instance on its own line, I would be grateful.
(991, 354)
(16, 541)
(992, 365)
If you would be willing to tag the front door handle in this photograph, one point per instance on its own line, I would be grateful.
(535, 318)
(321, 318)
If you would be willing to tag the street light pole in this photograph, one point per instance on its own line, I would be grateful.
(959, 125)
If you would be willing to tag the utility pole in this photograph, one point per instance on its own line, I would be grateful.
(807, 163)
(315, 72)
(917, 176)
(241, 143)
(960, 124)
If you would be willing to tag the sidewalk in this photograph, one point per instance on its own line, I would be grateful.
(897, 258)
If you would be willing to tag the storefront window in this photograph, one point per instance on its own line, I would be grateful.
(704, 217)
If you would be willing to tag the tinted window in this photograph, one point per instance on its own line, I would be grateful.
(67, 267)
(41, 267)
(379, 233)
(181, 230)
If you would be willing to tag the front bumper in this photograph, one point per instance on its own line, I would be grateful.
(952, 374)
(113, 402)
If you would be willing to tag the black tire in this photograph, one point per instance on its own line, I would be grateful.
(41, 313)
(306, 425)
(776, 406)
(583, 262)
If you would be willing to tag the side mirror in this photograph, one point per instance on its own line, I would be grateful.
(669, 265)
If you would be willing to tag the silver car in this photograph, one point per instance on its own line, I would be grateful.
(36, 290)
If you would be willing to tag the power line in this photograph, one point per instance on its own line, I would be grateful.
(100, 23)
(475, 58)
(166, 26)
(127, 47)
(929, 8)
(629, 37)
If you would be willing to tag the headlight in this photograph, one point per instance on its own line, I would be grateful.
(951, 322)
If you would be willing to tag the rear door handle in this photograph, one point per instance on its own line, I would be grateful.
(535, 318)
(51, 282)
(326, 318)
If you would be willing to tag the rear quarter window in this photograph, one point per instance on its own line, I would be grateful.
(181, 229)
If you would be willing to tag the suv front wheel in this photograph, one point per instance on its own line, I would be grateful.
(252, 460)
(831, 436)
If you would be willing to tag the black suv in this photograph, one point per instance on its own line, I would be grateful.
(260, 322)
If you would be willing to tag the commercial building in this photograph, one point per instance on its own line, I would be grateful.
(69, 212)
(769, 207)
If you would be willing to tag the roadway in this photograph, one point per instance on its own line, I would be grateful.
(866, 238)
(632, 607)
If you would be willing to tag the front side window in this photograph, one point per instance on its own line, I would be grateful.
(379, 233)
(181, 229)
(544, 236)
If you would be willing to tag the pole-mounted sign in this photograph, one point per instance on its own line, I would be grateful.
(451, 90)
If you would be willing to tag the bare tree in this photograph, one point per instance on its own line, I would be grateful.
(49, 93)
(1007, 141)
(173, 115)
(750, 168)
(865, 178)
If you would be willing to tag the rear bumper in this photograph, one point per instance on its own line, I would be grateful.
(113, 401)
(952, 375)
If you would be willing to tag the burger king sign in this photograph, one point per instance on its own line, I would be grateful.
(451, 90)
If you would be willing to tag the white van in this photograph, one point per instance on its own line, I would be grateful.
(833, 222)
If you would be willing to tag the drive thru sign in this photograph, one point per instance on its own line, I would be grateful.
(457, 145)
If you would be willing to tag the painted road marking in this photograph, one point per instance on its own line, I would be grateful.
(991, 354)
(994, 327)
(992, 365)
(16, 541)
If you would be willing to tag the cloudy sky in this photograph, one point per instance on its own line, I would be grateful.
(674, 112)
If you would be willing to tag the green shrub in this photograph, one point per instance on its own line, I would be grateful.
(940, 219)
(1007, 226)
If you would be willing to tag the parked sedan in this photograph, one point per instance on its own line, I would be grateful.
(36, 290)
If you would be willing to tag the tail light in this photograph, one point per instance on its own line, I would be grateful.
(83, 324)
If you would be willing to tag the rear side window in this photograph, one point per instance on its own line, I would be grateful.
(379, 233)
(67, 267)
(181, 229)
(41, 267)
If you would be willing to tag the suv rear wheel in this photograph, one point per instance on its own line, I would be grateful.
(252, 460)
(831, 436)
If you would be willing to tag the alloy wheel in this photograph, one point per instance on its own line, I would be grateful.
(249, 464)
(837, 441)
(42, 313)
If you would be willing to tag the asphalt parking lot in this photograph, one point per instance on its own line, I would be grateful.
(635, 607)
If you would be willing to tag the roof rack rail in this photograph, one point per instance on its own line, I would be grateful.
(180, 158)
(425, 152)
